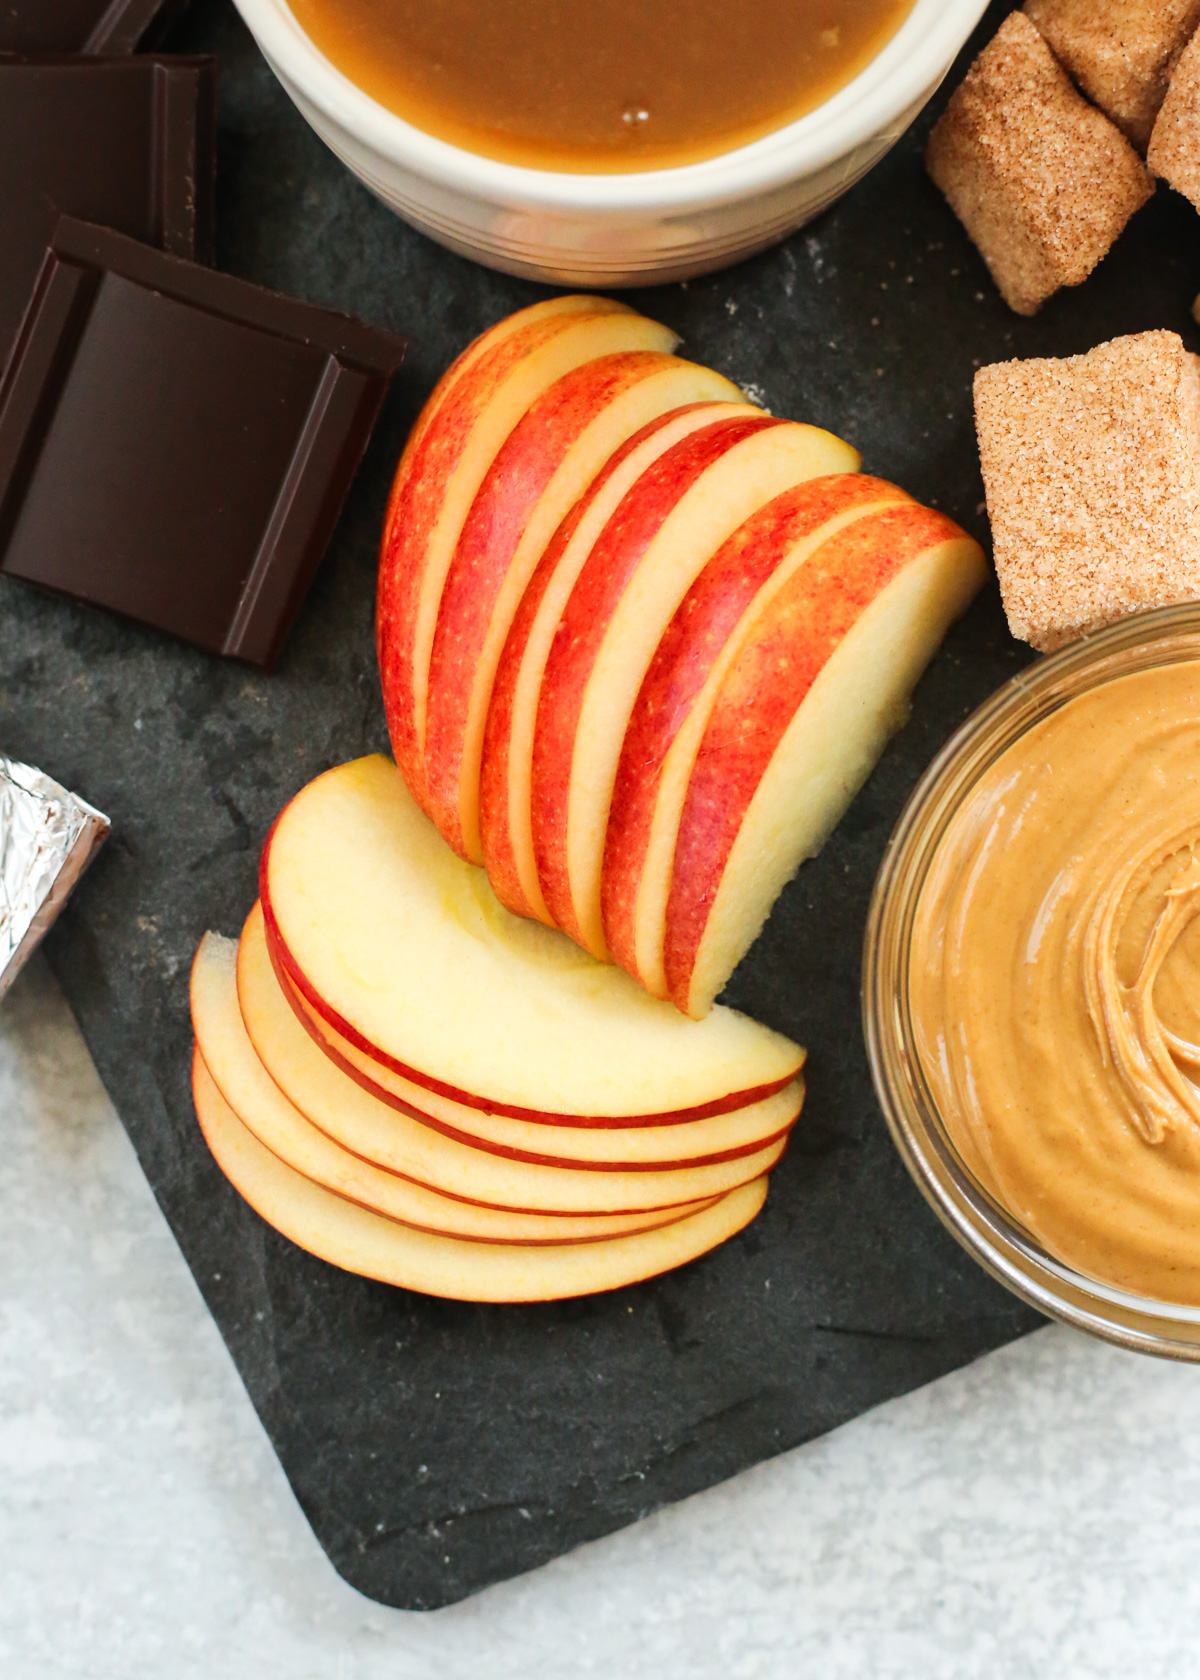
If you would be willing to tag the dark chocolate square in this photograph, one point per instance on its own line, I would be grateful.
(124, 142)
(176, 444)
(84, 26)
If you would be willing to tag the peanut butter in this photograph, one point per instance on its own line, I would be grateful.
(1055, 982)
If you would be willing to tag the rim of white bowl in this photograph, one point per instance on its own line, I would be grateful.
(902, 75)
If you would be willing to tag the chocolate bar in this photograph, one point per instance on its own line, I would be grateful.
(84, 26)
(126, 142)
(47, 839)
(176, 444)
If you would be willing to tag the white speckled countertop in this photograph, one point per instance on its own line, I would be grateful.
(1037, 1514)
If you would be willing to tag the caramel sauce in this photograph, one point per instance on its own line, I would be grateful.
(609, 86)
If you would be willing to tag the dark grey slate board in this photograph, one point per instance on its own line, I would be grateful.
(437, 1447)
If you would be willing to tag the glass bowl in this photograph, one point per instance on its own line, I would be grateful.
(986, 1230)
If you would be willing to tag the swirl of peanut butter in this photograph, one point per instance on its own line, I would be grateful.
(1054, 982)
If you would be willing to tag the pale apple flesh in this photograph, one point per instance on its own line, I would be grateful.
(397, 942)
(414, 458)
(505, 817)
(229, 1056)
(277, 1021)
(601, 573)
(636, 575)
(844, 649)
(394, 1139)
(443, 427)
(429, 515)
(680, 689)
(357, 1240)
(547, 463)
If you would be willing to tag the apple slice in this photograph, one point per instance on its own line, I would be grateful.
(397, 943)
(313, 1064)
(254, 1096)
(505, 819)
(488, 341)
(392, 1139)
(640, 567)
(546, 464)
(680, 688)
(257, 1100)
(826, 677)
(349, 1236)
(439, 482)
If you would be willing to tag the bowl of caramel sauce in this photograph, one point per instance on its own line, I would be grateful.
(616, 143)
(1031, 984)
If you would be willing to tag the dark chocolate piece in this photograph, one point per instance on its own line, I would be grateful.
(84, 26)
(125, 142)
(176, 444)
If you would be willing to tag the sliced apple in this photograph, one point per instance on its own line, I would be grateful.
(308, 1059)
(545, 465)
(715, 618)
(248, 1088)
(439, 483)
(799, 721)
(488, 341)
(357, 1240)
(639, 568)
(505, 819)
(406, 951)
(393, 1139)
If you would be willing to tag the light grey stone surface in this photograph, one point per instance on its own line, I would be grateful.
(1035, 1514)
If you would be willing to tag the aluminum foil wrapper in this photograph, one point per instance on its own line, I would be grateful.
(47, 839)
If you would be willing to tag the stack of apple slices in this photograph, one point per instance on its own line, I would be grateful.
(642, 642)
(413, 1083)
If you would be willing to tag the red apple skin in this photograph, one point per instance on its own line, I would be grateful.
(474, 352)
(322, 1037)
(709, 614)
(494, 814)
(614, 558)
(416, 502)
(289, 969)
(769, 681)
(508, 495)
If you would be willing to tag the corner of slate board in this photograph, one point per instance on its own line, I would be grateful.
(437, 1447)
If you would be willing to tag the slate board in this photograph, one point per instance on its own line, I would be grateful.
(436, 1447)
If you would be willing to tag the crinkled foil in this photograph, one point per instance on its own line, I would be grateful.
(47, 839)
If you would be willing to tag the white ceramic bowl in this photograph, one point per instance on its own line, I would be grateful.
(620, 230)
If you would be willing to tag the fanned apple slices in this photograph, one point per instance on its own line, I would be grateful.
(229, 1058)
(641, 642)
(546, 463)
(826, 671)
(357, 1100)
(786, 667)
(505, 798)
(472, 413)
(405, 1182)
(404, 949)
(337, 1229)
(638, 569)
(699, 646)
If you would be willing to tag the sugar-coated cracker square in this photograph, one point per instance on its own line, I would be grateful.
(1092, 470)
(1120, 52)
(1041, 180)
(1175, 144)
